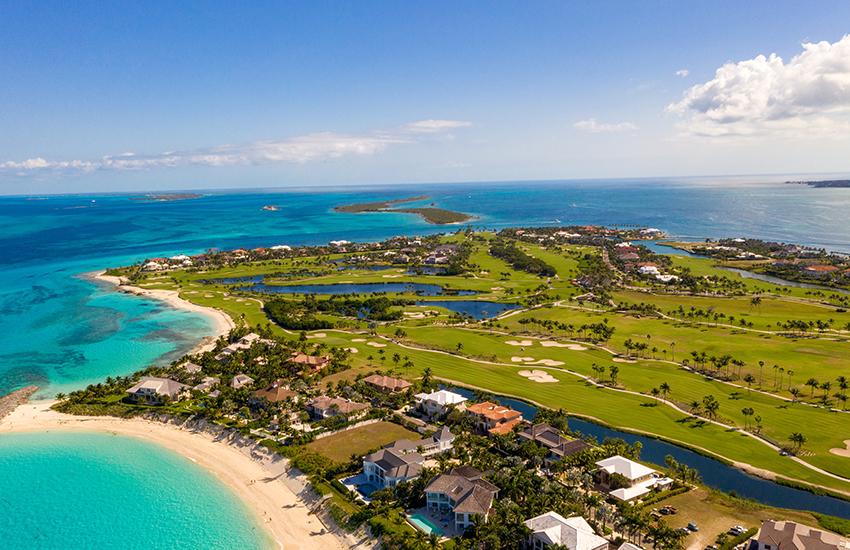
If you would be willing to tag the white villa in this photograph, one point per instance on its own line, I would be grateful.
(640, 479)
(437, 403)
(154, 390)
(551, 529)
(388, 467)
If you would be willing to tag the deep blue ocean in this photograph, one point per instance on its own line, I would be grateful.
(61, 331)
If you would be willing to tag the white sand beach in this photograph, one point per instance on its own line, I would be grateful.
(277, 506)
(223, 322)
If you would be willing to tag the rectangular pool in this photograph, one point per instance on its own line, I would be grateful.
(425, 525)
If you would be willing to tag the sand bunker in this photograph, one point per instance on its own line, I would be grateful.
(390, 276)
(226, 299)
(240, 299)
(523, 343)
(376, 345)
(358, 339)
(317, 335)
(208, 296)
(497, 288)
(538, 376)
(549, 363)
(842, 452)
(353, 350)
(516, 359)
(553, 344)
(623, 360)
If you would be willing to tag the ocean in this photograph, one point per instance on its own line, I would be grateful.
(62, 331)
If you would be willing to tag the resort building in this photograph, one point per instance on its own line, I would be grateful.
(547, 436)
(389, 467)
(629, 479)
(386, 384)
(325, 407)
(785, 535)
(153, 390)
(553, 530)
(463, 491)
(240, 380)
(276, 391)
(442, 441)
(494, 419)
(439, 402)
(207, 383)
(315, 363)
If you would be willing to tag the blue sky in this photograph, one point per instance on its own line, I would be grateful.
(122, 96)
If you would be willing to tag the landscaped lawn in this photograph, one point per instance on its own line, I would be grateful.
(339, 447)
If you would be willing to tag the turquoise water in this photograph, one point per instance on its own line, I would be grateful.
(425, 525)
(87, 490)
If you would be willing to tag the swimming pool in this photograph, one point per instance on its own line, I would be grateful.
(424, 524)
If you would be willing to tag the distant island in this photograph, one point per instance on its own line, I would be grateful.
(166, 197)
(826, 183)
(436, 216)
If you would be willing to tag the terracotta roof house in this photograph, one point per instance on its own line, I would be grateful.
(440, 442)
(820, 270)
(389, 467)
(276, 391)
(437, 403)
(552, 529)
(241, 380)
(640, 479)
(386, 384)
(315, 362)
(325, 407)
(463, 491)
(629, 257)
(207, 383)
(494, 419)
(153, 390)
(785, 535)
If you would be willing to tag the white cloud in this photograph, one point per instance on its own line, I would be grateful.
(808, 96)
(683, 73)
(592, 126)
(294, 150)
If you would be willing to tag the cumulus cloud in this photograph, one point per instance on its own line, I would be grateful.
(592, 126)
(294, 150)
(683, 73)
(807, 96)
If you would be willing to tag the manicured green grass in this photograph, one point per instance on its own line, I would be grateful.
(339, 447)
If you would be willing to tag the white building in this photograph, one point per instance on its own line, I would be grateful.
(551, 529)
(639, 479)
(437, 403)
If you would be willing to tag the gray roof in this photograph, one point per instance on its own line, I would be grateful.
(395, 463)
(785, 535)
(241, 380)
(443, 434)
(192, 367)
(207, 383)
(159, 386)
(473, 496)
(544, 434)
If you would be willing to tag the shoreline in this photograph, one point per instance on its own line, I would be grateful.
(257, 480)
(223, 322)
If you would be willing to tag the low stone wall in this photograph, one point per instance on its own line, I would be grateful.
(10, 402)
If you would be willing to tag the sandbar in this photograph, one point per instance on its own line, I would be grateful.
(277, 506)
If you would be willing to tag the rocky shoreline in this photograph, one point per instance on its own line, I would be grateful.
(11, 401)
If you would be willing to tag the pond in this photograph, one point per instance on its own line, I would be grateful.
(714, 474)
(478, 309)
(782, 282)
(358, 288)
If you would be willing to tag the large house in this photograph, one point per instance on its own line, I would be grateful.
(547, 436)
(551, 529)
(313, 362)
(442, 441)
(637, 479)
(207, 383)
(386, 384)
(463, 491)
(389, 467)
(439, 402)
(785, 535)
(494, 419)
(325, 407)
(153, 391)
(240, 380)
(276, 391)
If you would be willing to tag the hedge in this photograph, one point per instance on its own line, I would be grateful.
(733, 542)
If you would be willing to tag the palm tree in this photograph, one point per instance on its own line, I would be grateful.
(749, 379)
(654, 392)
(673, 351)
(695, 407)
(843, 383)
(761, 365)
(798, 440)
(795, 392)
(665, 389)
(813, 382)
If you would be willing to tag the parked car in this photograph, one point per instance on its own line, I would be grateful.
(685, 531)
(668, 510)
(737, 530)
(693, 526)
(710, 547)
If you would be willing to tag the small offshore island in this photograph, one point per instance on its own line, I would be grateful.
(825, 183)
(436, 216)
(344, 356)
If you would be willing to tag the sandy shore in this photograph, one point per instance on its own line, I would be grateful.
(223, 322)
(259, 482)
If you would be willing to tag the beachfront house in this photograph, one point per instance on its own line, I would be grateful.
(207, 383)
(325, 407)
(627, 480)
(244, 343)
(492, 419)
(440, 442)
(464, 492)
(439, 402)
(240, 380)
(552, 530)
(389, 467)
(786, 535)
(192, 368)
(559, 447)
(274, 392)
(155, 391)
(385, 384)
